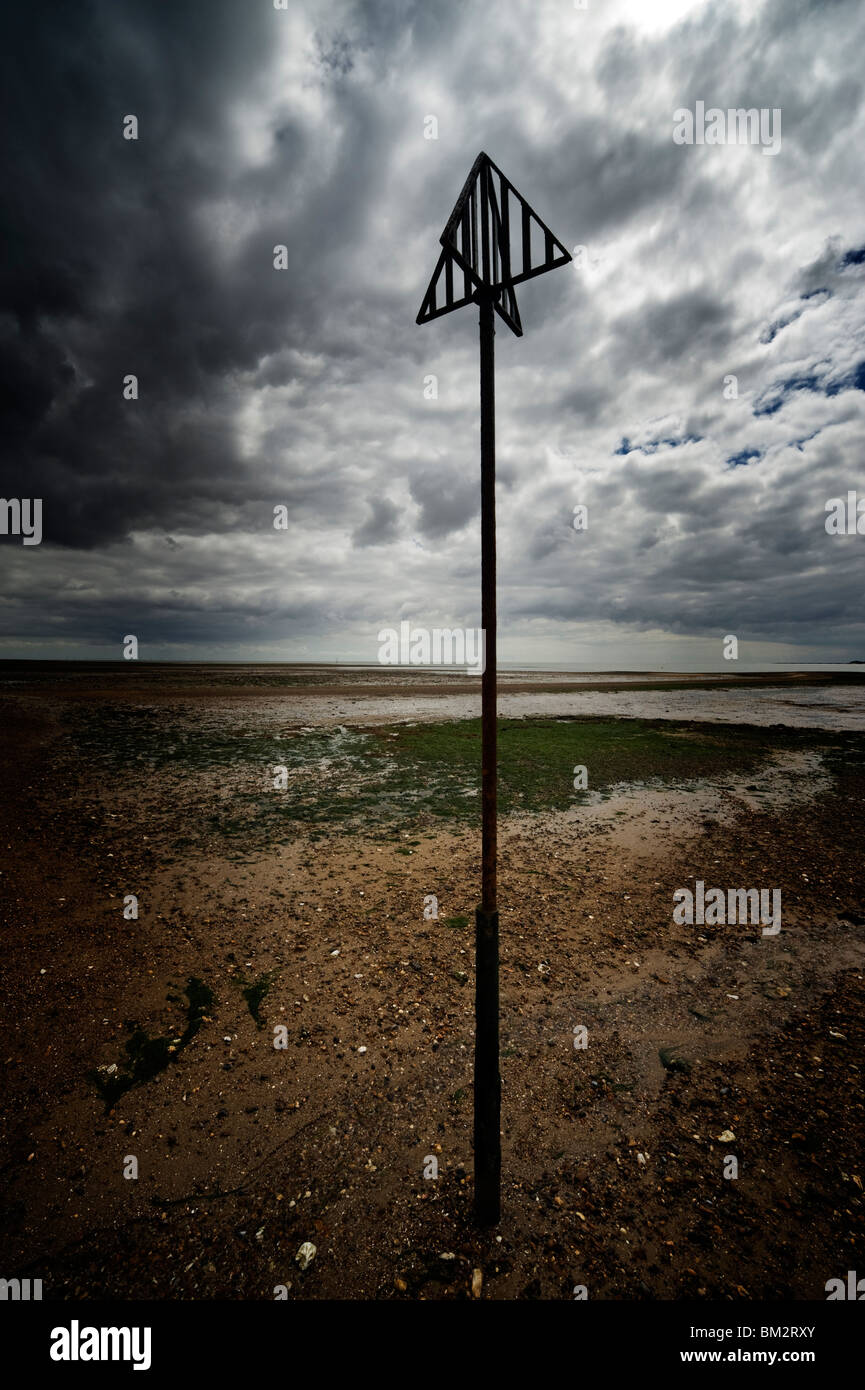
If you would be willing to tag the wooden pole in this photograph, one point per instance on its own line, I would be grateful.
(487, 1088)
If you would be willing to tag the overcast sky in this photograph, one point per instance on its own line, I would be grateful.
(304, 387)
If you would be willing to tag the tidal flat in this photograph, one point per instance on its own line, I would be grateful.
(198, 863)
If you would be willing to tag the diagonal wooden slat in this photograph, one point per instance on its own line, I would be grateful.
(468, 246)
(430, 308)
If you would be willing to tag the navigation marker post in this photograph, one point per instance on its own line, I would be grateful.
(493, 241)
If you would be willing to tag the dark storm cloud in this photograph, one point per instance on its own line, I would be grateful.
(107, 271)
(118, 262)
(673, 328)
(447, 503)
(381, 525)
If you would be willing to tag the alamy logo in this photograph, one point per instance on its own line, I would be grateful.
(738, 905)
(845, 519)
(737, 126)
(76, 1343)
(442, 646)
(21, 516)
(20, 1290)
(854, 1288)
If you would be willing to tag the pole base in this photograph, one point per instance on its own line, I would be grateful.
(488, 1086)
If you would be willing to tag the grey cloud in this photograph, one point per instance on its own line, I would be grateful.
(381, 525)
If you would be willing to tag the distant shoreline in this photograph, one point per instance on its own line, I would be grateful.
(388, 673)
(373, 665)
(332, 696)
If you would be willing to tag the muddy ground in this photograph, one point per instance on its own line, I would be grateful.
(613, 1159)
